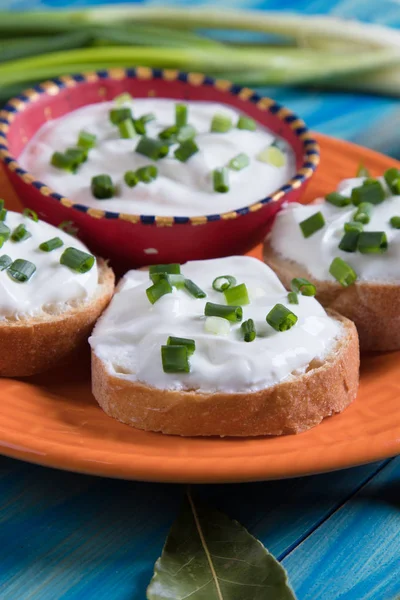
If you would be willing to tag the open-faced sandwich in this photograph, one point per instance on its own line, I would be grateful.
(219, 347)
(348, 246)
(52, 291)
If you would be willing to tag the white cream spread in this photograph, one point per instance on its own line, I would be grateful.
(317, 252)
(53, 287)
(129, 336)
(181, 189)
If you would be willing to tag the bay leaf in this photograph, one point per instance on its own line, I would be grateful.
(208, 556)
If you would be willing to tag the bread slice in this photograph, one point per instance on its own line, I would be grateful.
(298, 403)
(39, 343)
(374, 307)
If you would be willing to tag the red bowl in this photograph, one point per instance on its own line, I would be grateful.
(131, 240)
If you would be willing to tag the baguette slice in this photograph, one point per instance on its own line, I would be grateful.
(374, 307)
(298, 403)
(37, 344)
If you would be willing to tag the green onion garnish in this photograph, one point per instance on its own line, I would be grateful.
(231, 313)
(122, 98)
(363, 213)
(20, 234)
(281, 318)
(292, 298)
(86, 140)
(342, 272)
(51, 244)
(392, 178)
(177, 281)
(117, 115)
(362, 171)
(21, 270)
(139, 126)
(147, 174)
(169, 133)
(126, 129)
(246, 123)
(221, 180)
(370, 191)
(372, 242)
(159, 289)
(312, 224)
(131, 179)
(353, 226)
(5, 262)
(76, 260)
(221, 123)
(237, 295)
(249, 331)
(239, 162)
(172, 269)
(217, 326)
(178, 341)
(181, 115)
(187, 132)
(70, 160)
(4, 233)
(61, 161)
(223, 282)
(3, 214)
(186, 150)
(194, 289)
(102, 187)
(337, 199)
(395, 222)
(349, 241)
(303, 286)
(28, 212)
(175, 359)
(272, 156)
(152, 148)
(69, 227)
(2, 203)
(148, 117)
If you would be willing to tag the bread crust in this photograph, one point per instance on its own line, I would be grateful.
(373, 307)
(37, 344)
(288, 407)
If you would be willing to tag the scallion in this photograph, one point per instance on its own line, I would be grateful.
(117, 115)
(395, 222)
(342, 272)
(221, 180)
(131, 179)
(302, 286)
(86, 140)
(20, 233)
(152, 148)
(281, 318)
(292, 298)
(272, 156)
(363, 213)
(349, 241)
(231, 313)
(186, 150)
(159, 289)
(5, 262)
(178, 341)
(248, 330)
(372, 242)
(123, 98)
(221, 123)
(312, 224)
(217, 325)
(77, 260)
(4, 233)
(52, 244)
(173, 269)
(353, 226)
(223, 282)
(337, 199)
(126, 129)
(370, 191)
(169, 133)
(175, 359)
(194, 289)
(31, 214)
(21, 270)
(3, 214)
(187, 132)
(69, 227)
(181, 115)
(239, 162)
(392, 178)
(237, 295)
(246, 123)
(102, 187)
(147, 174)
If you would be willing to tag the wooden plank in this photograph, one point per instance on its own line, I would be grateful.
(355, 554)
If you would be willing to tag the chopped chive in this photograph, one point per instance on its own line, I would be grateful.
(61, 161)
(221, 180)
(239, 162)
(312, 224)
(102, 187)
(281, 318)
(372, 242)
(370, 191)
(152, 148)
(181, 115)
(123, 98)
(221, 123)
(3, 214)
(363, 213)
(292, 298)
(76, 260)
(86, 140)
(178, 341)
(173, 269)
(194, 289)
(169, 133)
(223, 282)
(69, 227)
(117, 115)
(77, 156)
(217, 325)
(337, 199)
(21, 270)
(147, 174)
(175, 359)
(249, 331)
(20, 234)
(303, 286)
(395, 222)
(392, 178)
(5, 262)
(177, 281)
(155, 277)
(131, 179)
(231, 313)
(4, 233)
(139, 126)
(237, 295)
(28, 212)
(187, 132)
(186, 150)
(349, 241)
(126, 129)
(342, 272)
(362, 171)
(272, 156)
(353, 226)
(51, 244)
(246, 123)
(159, 289)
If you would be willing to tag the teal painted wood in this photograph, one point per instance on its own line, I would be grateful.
(356, 552)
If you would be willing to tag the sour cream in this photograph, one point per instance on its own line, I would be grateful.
(129, 335)
(181, 189)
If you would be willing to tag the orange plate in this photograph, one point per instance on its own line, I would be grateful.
(53, 420)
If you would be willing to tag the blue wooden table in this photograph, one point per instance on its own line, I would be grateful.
(76, 537)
